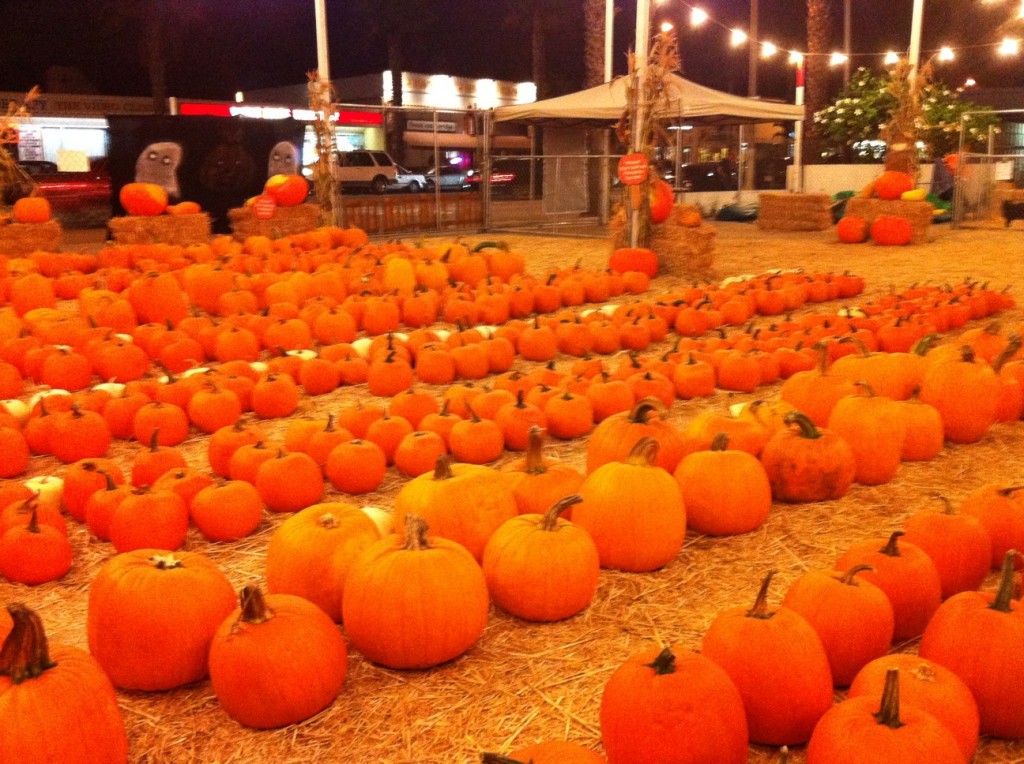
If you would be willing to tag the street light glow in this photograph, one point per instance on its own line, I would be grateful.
(970, 82)
(946, 53)
(892, 58)
(1009, 47)
(768, 49)
(837, 58)
(698, 16)
(666, 26)
(737, 37)
(796, 57)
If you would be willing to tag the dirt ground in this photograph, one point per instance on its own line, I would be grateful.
(527, 682)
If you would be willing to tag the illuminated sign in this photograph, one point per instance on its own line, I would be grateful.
(347, 117)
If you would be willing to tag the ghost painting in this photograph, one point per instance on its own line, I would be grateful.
(158, 163)
(284, 159)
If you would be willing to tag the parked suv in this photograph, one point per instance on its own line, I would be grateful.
(362, 169)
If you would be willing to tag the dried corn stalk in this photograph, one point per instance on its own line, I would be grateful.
(321, 102)
(903, 130)
(646, 88)
(12, 176)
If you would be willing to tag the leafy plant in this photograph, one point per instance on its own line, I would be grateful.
(868, 104)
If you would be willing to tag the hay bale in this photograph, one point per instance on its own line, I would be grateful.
(284, 222)
(794, 212)
(181, 230)
(24, 238)
(919, 213)
(680, 249)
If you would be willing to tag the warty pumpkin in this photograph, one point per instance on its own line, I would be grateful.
(807, 464)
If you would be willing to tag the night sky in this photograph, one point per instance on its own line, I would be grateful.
(228, 45)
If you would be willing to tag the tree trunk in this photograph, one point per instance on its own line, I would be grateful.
(156, 53)
(537, 49)
(593, 42)
(818, 18)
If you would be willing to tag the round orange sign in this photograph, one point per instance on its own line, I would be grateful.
(633, 168)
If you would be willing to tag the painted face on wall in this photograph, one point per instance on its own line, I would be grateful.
(284, 159)
(158, 163)
(228, 168)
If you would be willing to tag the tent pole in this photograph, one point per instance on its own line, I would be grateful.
(798, 133)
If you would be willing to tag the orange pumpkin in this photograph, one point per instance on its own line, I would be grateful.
(852, 229)
(32, 209)
(184, 208)
(287, 190)
(641, 259)
(891, 230)
(144, 199)
(661, 200)
(891, 184)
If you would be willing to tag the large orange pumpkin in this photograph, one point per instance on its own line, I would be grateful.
(891, 184)
(640, 259)
(287, 190)
(143, 199)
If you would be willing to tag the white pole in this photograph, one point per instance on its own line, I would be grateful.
(609, 44)
(798, 133)
(322, 59)
(915, 38)
(643, 32)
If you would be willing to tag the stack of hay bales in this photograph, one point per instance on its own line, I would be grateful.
(685, 243)
(781, 211)
(181, 230)
(284, 222)
(25, 238)
(918, 212)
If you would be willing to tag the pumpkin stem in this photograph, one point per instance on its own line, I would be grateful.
(33, 518)
(866, 387)
(967, 354)
(947, 505)
(923, 345)
(807, 428)
(497, 758)
(889, 712)
(644, 452)
(415, 533)
(327, 520)
(1013, 343)
(890, 548)
(1005, 592)
(645, 406)
(760, 608)
(665, 663)
(720, 442)
(154, 440)
(784, 755)
(534, 464)
(550, 519)
(1004, 492)
(330, 423)
(847, 577)
(165, 561)
(254, 606)
(25, 653)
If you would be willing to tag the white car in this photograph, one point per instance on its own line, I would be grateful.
(413, 182)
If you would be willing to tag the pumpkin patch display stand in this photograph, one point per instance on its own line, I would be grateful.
(151, 220)
(683, 243)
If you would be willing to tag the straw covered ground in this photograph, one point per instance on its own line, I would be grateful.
(527, 682)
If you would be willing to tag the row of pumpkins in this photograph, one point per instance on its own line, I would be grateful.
(151, 199)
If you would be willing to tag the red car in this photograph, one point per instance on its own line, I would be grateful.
(78, 199)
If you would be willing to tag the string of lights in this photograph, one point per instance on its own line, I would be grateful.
(1008, 46)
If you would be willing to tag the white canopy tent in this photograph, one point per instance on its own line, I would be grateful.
(686, 102)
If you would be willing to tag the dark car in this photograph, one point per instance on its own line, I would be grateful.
(79, 199)
(454, 178)
(706, 176)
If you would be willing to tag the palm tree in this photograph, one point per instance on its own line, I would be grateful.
(593, 42)
(819, 14)
(160, 32)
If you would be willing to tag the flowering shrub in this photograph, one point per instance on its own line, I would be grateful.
(852, 126)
